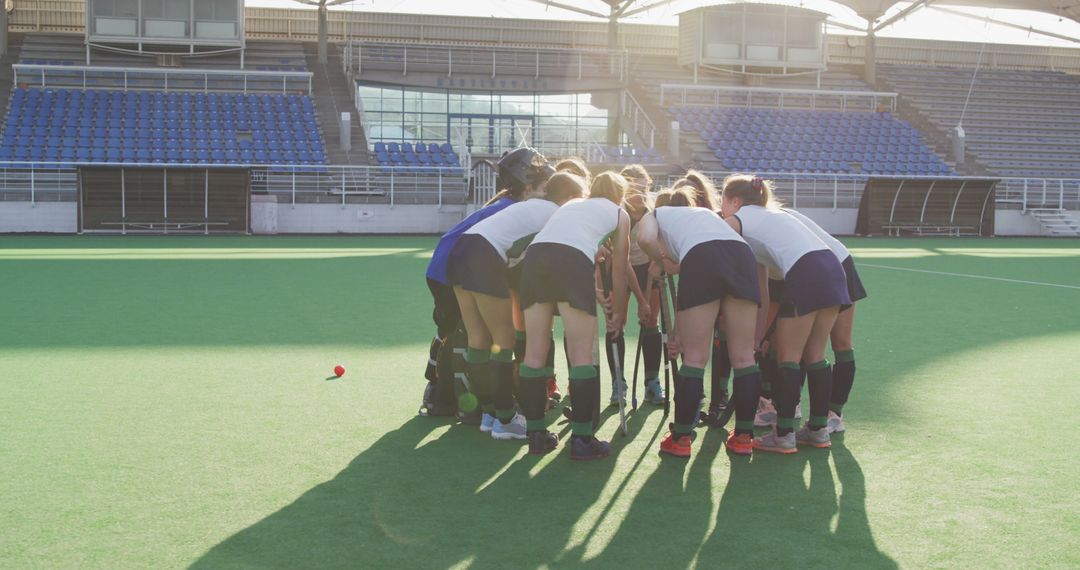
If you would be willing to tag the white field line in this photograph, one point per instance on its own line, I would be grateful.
(987, 277)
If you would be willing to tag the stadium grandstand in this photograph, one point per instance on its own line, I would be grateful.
(206, 116)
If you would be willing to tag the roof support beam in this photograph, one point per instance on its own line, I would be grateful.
(919, 4)
(1028, 29)
(570, 8)
(839, 24)
(656, 4)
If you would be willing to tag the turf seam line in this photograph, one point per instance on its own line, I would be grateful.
(970, 275)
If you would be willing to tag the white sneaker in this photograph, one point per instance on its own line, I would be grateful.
(514, 429)
(813, 437)
(776, 443)
(487, 422)
(766, 413)
(836, 422)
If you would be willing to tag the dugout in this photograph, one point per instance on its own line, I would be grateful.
(164, 200)
(927, 206)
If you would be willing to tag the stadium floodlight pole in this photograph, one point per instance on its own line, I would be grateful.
(322, 6)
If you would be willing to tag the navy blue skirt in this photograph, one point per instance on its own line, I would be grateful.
(816, 281)
(716, 269)
(475, 265)
(557, 273)
(854, 284)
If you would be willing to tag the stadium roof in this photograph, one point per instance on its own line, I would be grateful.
(1063, 8)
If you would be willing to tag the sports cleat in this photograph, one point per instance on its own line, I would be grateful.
(813, 437)
(487, 422)
(715, 416)
(587, 448)
(654, 392)
(766, 414)
(740, 444)
(514, 429)
(618, 392)
(776, 443)
(553, 392)
(836, 422)
(679, 447)
(541, 442)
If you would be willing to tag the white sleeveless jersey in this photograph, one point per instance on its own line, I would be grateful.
(839, 250)
(512, 229)
(637, 255)
(583, 224)
(777, 238)
(682, 228)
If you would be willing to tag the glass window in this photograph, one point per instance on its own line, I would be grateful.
(215, 10)
(117, 8)
(167, 9)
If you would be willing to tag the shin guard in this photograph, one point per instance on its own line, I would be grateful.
(689, 389)
(820, 374)
(785, 396)
(747, 389)
(843, 376)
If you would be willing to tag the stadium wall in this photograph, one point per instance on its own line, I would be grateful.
(39, 217)
(269, 217)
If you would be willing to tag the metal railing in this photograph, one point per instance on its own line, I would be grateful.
(157, 79)
(816, 190)
(361, 185)
(491, 61)
(639, 120)
(38, 183)
(293, 184)
(767, 97)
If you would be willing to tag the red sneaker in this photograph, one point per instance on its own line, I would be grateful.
(553, 390)
(740, 444)
(678, 447)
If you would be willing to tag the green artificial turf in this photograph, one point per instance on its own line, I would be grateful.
(168, 402)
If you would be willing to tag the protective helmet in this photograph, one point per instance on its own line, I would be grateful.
(523, 166)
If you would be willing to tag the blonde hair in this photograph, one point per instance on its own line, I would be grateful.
(574, 165)
(676, 197)
(705, 193)
(638, 177)
(751, 190)
(608, 184)
(563, 186)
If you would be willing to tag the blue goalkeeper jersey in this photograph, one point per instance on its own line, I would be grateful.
(436, 270)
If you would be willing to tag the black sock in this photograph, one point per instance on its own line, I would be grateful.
(689, 389)
(549, 362)
(770, 373)
(820, 374)
(747, 385)
(478, 372)
(785, 396)
(502, 375)
(843, 377)
(519, 346)
(619, 356)
(534, 396)
(721, 368)
(651, 347)
(586, 386)
(433, 358)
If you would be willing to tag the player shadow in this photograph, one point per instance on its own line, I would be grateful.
(456, 498)
(787, 511)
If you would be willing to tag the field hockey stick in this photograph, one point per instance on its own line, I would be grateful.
(616, 382)
(641, 332)
(665, 323)
(637, 359)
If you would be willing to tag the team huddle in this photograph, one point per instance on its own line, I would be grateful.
(762, 291)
